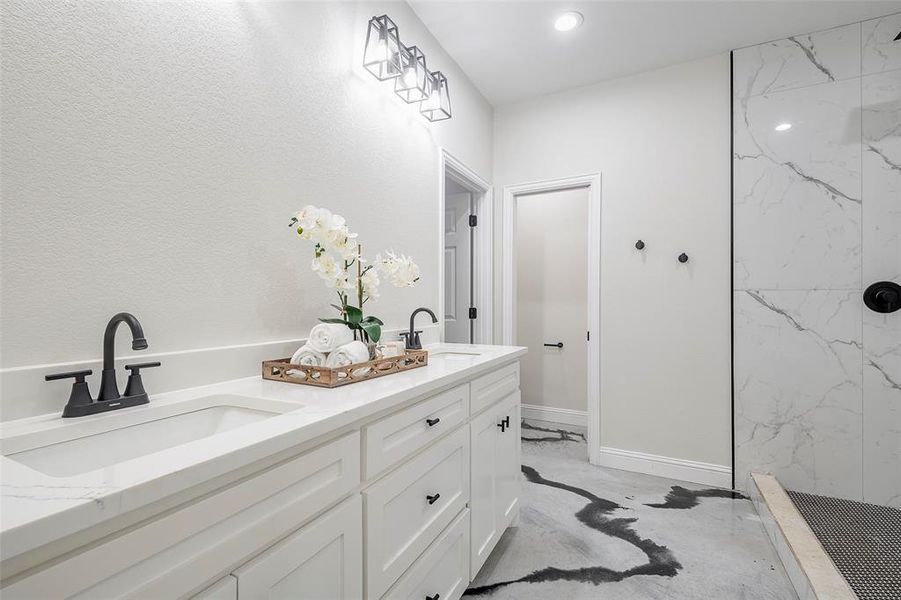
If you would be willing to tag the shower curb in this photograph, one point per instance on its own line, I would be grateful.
(810, 570)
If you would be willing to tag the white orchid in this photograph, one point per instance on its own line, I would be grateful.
(334, 275)
(370, 282)
(338, 261)
(400, 270)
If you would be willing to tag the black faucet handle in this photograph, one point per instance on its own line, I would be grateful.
(80, 394)
(135, 385)
(136, 369)
(78, 375)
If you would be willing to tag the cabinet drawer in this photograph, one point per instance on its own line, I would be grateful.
(322, 561)
(442, 571)
(396, 436)
(403, 515)
(488, 389)
(181, 551)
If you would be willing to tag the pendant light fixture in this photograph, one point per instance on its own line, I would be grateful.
(413, 83)
(382, 56)
(387, 58)
(436, 107)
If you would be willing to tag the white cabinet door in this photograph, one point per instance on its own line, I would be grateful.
(485, 529)
(495, 472)
(508, 460)
(321, 561)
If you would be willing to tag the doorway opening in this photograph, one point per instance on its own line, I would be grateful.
(551, 298)
(465, 299)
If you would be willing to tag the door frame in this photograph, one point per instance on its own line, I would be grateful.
(508, 283)
(482, 263)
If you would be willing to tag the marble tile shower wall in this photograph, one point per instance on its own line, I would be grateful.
(817, 218)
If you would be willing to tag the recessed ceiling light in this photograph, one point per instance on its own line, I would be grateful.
(783, 126)
(568, 21)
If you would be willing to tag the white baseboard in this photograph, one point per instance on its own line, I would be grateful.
(664, 466)
(565, 416)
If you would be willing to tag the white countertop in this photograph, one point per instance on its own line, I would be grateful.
(36, 509)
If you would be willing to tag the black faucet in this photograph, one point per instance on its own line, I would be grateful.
(411, 338)
(80, 402)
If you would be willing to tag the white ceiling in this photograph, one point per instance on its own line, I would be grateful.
(511, 51)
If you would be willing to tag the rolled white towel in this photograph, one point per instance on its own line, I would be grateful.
(306, 355)
(326, 337)
(348, 354)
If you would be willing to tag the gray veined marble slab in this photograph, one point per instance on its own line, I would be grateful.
(882, 408)
(879, 51)
(798, 61)
(881, 118)
(798, 389)
(797, 205)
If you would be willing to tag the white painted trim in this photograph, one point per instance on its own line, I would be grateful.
(552, 414)
(665, 466)
(483, 202)
(508, 284)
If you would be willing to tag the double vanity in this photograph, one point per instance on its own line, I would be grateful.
(398, 487)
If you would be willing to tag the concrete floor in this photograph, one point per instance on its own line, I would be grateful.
(590, 532)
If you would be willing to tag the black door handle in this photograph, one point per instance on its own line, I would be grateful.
(433, 498)
(557, 345)
(433, 422)
(507, 421)
(502, 426)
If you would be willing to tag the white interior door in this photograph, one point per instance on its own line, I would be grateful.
(552, 297)
(457, 267)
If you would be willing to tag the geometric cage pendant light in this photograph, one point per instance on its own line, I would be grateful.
(382, 56)
(387, 58)
(436, 107)
(413, 83)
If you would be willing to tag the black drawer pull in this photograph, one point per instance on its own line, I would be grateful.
(435, 597)
(433, 422)
(433, 498)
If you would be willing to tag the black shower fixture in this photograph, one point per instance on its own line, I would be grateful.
(883, 297)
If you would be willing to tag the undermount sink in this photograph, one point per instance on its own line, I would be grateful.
(73, 447)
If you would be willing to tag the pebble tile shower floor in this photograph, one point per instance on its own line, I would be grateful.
(590, 532)
(863, 540)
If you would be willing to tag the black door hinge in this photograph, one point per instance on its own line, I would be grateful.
(473, 220)
(473, 313)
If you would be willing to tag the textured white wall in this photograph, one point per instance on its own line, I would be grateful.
(153, 152)
(661, 143)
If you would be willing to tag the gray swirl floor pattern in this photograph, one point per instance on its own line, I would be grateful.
(589, 532)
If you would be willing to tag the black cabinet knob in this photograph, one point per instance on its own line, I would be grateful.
(683, 258)
(639, 244)
(433, 498)
(433, 422)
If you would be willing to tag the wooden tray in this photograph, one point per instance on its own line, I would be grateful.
(283, 370)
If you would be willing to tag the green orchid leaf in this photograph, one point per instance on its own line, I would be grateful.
(336, 321)
(354, 314)
(372, 319)
(373, 330)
